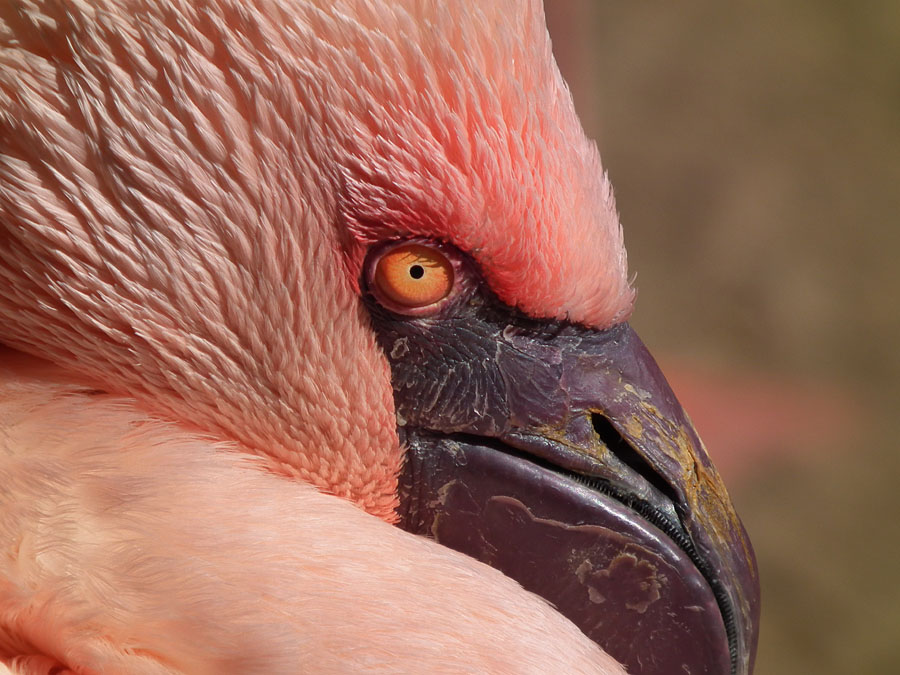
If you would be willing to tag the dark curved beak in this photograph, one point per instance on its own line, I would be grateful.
(560, 455)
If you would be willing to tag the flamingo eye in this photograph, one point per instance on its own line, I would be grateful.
(412, 277)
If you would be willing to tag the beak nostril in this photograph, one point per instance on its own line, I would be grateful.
(624, 451)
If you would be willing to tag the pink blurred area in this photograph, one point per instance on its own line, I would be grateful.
(751, 422)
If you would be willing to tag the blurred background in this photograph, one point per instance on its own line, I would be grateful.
(755, 153)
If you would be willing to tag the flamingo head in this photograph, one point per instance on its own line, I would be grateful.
(370, 242)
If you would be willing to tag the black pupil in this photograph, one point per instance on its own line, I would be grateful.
(417, 271)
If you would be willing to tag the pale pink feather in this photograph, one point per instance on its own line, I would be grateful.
(133, 546)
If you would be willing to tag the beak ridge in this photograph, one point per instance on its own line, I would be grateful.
(646, 448)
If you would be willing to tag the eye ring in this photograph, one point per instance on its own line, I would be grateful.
(412, 277)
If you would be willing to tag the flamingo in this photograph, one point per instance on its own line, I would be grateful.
(277, 276)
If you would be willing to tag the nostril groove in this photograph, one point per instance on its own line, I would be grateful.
(622, 449)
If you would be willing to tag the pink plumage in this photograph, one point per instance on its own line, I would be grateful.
(181, 181)
(199, 446)
(186, 193)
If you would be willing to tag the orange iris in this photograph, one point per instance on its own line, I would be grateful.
(414, 275)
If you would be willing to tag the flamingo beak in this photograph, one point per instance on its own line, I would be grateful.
(559, 455)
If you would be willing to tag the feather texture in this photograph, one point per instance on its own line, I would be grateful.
(187, 191)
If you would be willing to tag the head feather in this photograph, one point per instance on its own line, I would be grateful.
(188, 189)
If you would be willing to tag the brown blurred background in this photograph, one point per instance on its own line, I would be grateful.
(755, 152)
